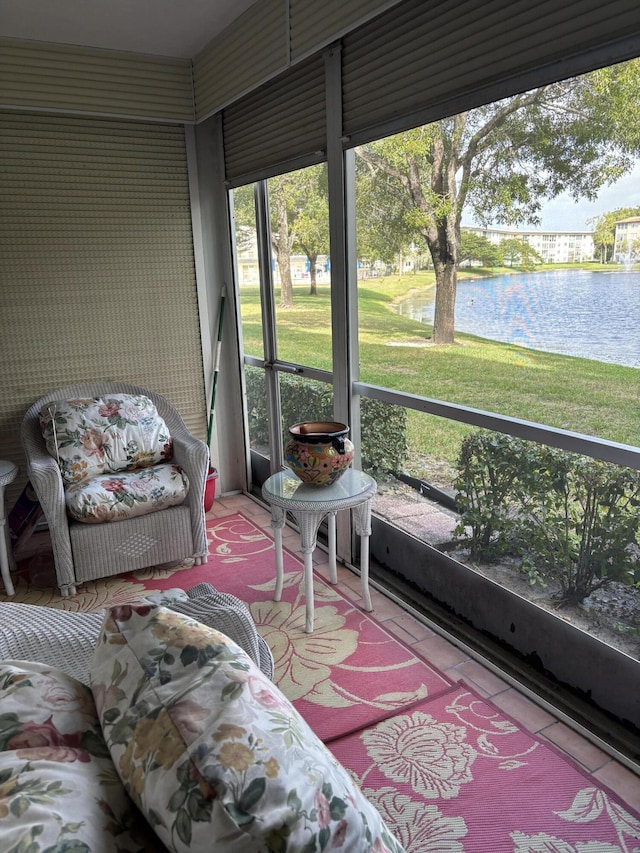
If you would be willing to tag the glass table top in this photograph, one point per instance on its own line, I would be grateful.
(284, 485)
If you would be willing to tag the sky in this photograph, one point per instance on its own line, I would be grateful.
(563, 214)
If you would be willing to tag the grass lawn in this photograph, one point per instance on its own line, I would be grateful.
(589, 397)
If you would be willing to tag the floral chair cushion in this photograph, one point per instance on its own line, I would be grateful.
(127, 494)
(103, 435)
(59, 789)
(211, 751)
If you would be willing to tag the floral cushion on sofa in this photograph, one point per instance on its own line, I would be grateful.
(59, 790)
(211, 751)
(119, 432)
(128, 494)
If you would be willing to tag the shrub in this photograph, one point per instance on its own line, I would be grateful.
(578, 520)
(487, 467)
(383, 428)
(574, 520)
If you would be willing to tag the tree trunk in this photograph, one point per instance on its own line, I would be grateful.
(313, 286)
(444, 312)
(442, 240)
(283, 258)
(283, 255)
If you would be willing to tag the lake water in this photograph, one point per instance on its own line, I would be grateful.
(593, 315)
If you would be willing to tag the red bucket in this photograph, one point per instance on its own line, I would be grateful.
(210, 489)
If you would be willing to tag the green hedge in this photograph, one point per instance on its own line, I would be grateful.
(572, 520)
(383, 427)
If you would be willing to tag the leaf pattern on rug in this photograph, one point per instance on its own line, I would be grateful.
(302, 667)
(321, 591)
(590, 803)
(544, 843)
(418, 825)
(235, 539)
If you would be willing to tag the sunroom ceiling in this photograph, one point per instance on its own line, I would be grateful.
(178, 28)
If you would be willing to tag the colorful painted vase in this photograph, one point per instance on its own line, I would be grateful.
(319, 452)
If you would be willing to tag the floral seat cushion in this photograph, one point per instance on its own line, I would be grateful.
(100, 435)
(212, 752)
(59, 788)
(126, 494)
(113, 453)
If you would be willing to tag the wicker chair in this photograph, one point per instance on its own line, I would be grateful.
(84, 552)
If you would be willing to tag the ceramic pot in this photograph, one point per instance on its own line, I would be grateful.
(319, 452)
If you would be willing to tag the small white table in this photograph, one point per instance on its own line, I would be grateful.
(309, 505)
(8, 473)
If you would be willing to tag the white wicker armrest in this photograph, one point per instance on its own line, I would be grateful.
(66, 639)
(46, 479)
(192, 455)
(59, 638)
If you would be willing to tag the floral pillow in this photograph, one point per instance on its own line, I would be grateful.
(211, 751)
(101, 435)
(59, 789)
(127, 494)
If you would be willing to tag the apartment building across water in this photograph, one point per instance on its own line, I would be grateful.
(554, 247)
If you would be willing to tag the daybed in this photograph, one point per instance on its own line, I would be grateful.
(180, 743)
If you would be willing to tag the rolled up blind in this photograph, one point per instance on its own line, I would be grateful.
(281, 122)
(422, 54)
(313, 25)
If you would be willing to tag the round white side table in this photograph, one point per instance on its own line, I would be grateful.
(8, 473)
(309, 505)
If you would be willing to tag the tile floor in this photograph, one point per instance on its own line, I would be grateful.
(459, 666)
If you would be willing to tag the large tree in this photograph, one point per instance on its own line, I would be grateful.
(476, 248)
(604, 230)
(312, 218)
(282, 194)
(515, 250)
(383, 229)
(299, 219)
(502, 160)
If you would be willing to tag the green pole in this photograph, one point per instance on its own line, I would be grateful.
(216, 364)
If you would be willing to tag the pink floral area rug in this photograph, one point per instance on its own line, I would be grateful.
(449, 772)
(455, 774)
(350, 671)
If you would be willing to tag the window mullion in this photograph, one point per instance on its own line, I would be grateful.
(342, 306)
(263, 228)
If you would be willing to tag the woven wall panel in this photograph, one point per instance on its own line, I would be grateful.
(251, 50)
(99, 82)
(313, 25)
(96, 264)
